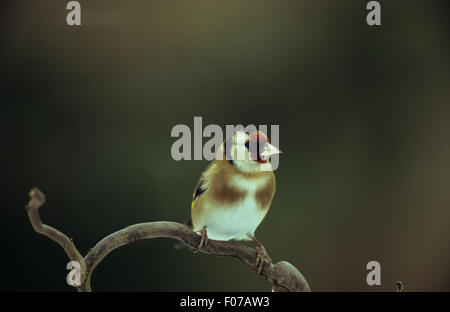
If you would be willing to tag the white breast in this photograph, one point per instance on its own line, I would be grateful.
(235, 222)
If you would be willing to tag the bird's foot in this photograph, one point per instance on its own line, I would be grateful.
(261, 255)
(204, 239)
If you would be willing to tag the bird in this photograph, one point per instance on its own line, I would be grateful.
(235, 191)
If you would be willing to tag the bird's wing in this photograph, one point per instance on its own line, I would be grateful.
(199, 189)
(201, 186)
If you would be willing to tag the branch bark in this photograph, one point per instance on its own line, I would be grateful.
(282, 275)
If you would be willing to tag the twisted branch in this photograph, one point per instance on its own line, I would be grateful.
(282, 275)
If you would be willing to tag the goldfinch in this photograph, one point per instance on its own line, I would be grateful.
(234, 193)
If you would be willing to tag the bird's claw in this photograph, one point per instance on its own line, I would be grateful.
(261, 254)
(261, 257)
(204, 239)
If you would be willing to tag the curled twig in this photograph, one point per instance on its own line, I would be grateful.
(282, 275)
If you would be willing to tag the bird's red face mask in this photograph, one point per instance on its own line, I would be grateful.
(259, 147)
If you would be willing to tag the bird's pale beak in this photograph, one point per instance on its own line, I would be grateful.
(269, 151)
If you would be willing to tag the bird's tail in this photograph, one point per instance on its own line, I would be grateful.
(180, 245)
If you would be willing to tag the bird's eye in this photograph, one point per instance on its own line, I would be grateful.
(247, 144)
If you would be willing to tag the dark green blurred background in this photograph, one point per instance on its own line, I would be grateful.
(86, 114)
